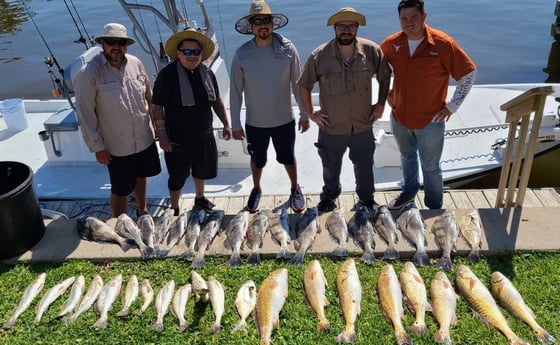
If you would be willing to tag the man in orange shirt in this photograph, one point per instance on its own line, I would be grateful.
(423, 59)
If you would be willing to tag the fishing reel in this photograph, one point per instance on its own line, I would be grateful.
(54, 80)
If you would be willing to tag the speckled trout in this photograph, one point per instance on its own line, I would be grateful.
(30, 293)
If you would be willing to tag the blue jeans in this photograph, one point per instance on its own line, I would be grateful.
(426, 143)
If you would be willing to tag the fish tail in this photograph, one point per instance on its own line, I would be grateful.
(241, 326)
(391, 253)
(254, 258)
(198, 262)
(368, 257)
(69, 319)
(347, 335)
(544, 337)
(216, 328)
(402, 337)
(37, 319)
(101, 323)
(163, 252)
(442, 336)
(9, 324)
(421, 259)
(340, 252)
(124, 312)
(283, 254)
(183, 325)
(234, 260)
(148, 252)
(125, 245)
(158, 326)
(474, 255)
(188, 255)
(297, 259)
(323, 324)
(418, 327)
(445, 263)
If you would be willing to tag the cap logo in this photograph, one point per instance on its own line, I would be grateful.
(257, 8)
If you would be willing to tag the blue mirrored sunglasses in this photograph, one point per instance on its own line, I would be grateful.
(189, 52)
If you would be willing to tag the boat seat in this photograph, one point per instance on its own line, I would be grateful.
(74, 67)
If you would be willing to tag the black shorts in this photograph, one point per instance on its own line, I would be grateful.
(199, 158)
(124, 170)
(283, 140)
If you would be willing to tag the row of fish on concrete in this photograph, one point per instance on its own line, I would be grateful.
(266, 304)
(156, 238)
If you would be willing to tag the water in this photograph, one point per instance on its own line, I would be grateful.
(510, 43)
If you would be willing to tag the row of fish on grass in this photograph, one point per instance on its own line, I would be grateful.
(198, 230)
(266, 304)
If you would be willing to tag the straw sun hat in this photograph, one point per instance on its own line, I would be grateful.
(243, 25)
(116, 31)
(206, 44)
(347, 14)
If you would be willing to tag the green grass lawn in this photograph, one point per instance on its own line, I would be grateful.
(536, 276)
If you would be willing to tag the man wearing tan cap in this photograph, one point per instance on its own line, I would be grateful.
(185, 92)
(344, 67)
(113, 94)
(264, 72)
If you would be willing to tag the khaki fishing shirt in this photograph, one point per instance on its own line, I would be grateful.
(345, 87)
(112, 108)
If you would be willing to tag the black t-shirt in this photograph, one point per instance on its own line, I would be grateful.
(189, 123)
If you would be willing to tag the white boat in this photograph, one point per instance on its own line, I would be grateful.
(53, 147)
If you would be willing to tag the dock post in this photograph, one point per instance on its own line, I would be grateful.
(518, 112)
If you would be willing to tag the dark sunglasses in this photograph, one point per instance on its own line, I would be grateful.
(261, 21)
(112, 42)
(189, 52)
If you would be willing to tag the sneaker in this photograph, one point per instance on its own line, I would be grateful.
(204, 203)
(297, 201)
(254, 199)
(140, 213)
(371, 205)
(176, 211)
(399, 202)
(326, 205)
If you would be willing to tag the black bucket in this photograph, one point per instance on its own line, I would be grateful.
(21, 221)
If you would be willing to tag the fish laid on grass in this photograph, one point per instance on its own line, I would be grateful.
(162, 225)
(216, 295)
(338, 229)
(245, 302)
(446, 231)
(414, 296)
(179, 305)
(105, 301)
(361, 231)
(130, 294)
(51, 295)
(192, 231)
(279, 227)
(390, 298)
(210, 228)
(271, 297)
(94, 229)
(411, 224)
(199, 287)
(349, 290)
(147, 229)
(174, 234)
(481, 301)
(444, 304)
(75, 295)
(507, 295)
(146, 295)
(235, 236)
(89, 298)
(470, 228)
(255, 235)
(307, 228)
(161, 306)
(30, 293)
(314, 284)
(127, 228)
(385, 226)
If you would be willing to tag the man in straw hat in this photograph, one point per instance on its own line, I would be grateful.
(423, 59)
(264, 71)
(112, 102)
(344, 68)
(185, 92)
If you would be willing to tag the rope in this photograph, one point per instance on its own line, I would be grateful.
(224, 51)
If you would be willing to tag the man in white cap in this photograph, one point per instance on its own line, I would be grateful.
(113, 95)
(264, 71)
(344, 68)
(185, 92)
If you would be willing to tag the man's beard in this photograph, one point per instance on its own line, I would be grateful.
(345, 41)
(118, 58)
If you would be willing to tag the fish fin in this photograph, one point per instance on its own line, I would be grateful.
(339, 252)
(445, 263)
(474, 256)
(158, 326)
(347, 335)
(148, 253)
(216, 328)
(391, 254)
(402, 337)
(368, 258)
(183, 325)
(442, 337)
(545, 338)
(188, 255)
(276, 323)
(254, 258)
(322, 325)
(101, 323)
(297, 259)
(326, 301)
(428, 306)
(123, 312)
(421, 259)
(418, 328)
(198, 262)
(234, 260)
(240, 326)
(454, 319)
(283, 254)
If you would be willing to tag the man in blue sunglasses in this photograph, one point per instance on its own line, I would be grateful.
(185, 92)
(264, 70)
